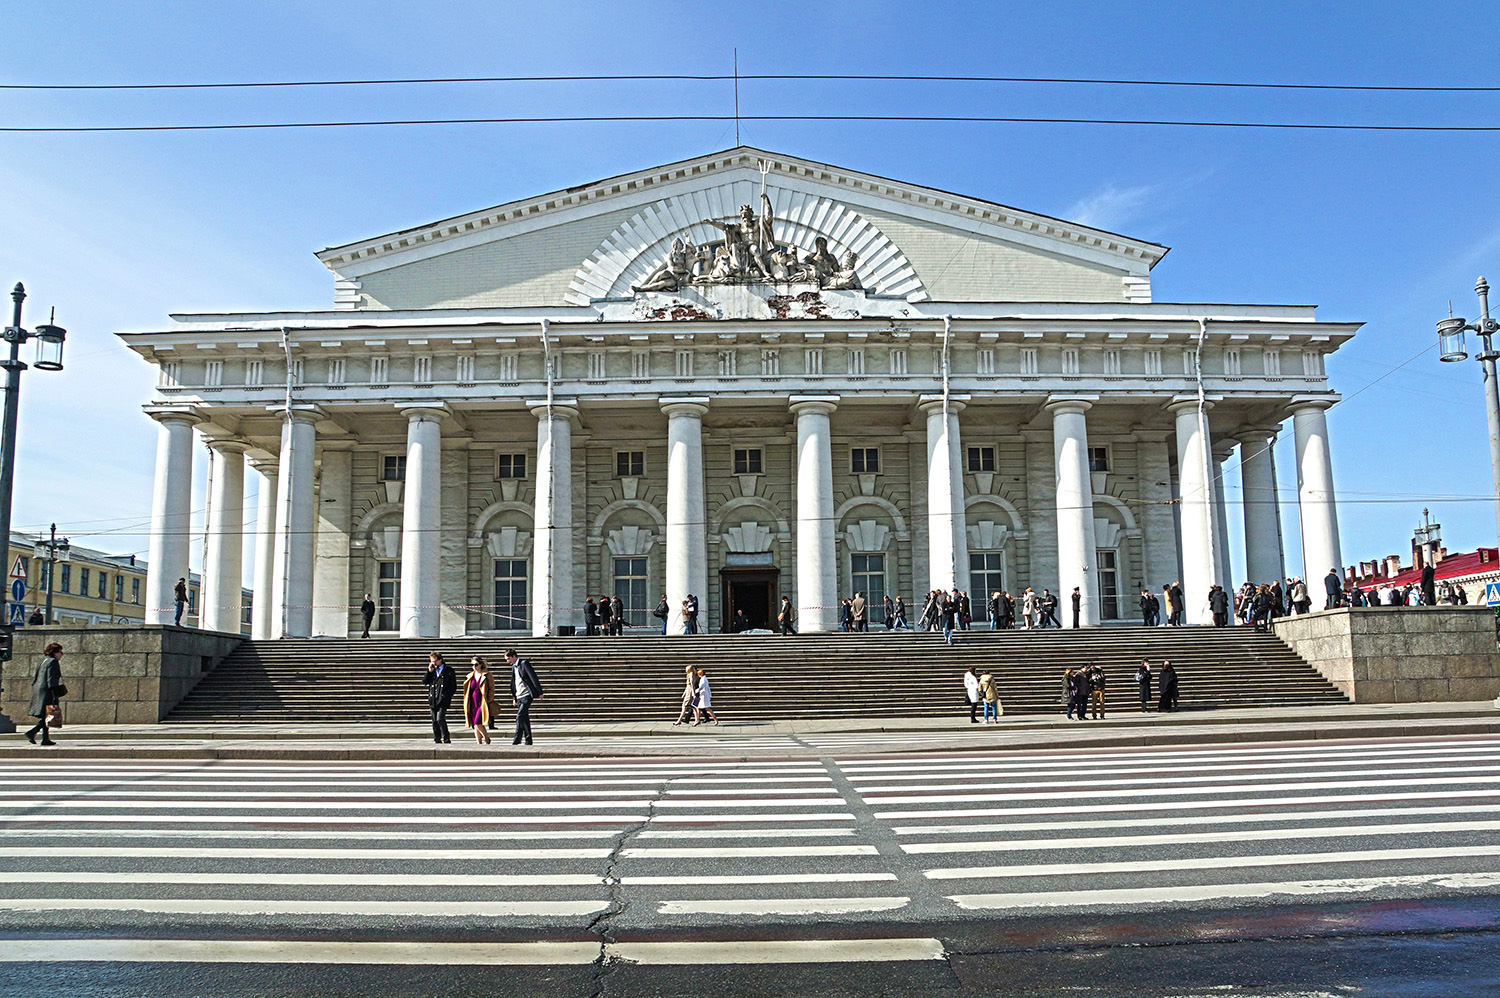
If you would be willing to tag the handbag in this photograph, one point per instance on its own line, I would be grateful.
(53, 718)
(60, 690)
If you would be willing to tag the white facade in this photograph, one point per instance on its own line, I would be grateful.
(493, 424)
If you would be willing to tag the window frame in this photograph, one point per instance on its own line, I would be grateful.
(506, 465)
(385, 467)
(754, 460)
(981, 451)
(861, 464)
(630, 463)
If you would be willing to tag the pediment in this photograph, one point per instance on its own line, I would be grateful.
(617, 229)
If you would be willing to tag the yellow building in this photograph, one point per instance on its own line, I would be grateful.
(91, 587)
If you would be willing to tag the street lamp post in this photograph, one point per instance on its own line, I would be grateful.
(49, 347)
(1451, 348)
(48, 549)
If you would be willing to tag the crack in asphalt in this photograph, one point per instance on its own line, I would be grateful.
(602, 924)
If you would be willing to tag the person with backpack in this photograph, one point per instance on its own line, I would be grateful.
(786, 616)
(1096, 691)
(661, 612)
(524, 688)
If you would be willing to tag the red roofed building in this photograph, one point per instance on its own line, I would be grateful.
(1469, 571)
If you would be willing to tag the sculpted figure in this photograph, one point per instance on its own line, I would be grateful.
(818, 265)
(670, 275)
(844, 279)
(782, 263)
(723, 268)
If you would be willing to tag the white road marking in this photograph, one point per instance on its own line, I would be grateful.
(1209, 863)
(278, 951)
(1161, 780)
(200, 853)
(1092, 791)
(472, 803)
(1185, 838)
(1105, 757)
(1032, 762)
(458, 880)
(414, 909)
(1180, 805)
(486, 820)
(783, 906)
(1212, 892)
(1194, 819)
(688, 852)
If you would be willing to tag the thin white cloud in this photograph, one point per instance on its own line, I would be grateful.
(1114, 207)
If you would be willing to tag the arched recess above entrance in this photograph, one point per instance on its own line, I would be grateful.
(628, 529)
(507, 513)
(620, 505)
(379, 531)
(888, 508)
(1123, 515)
(733, 512)
(1017, 527)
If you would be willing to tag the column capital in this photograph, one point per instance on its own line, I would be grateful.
(566, 409)
(934, 403)
(301, 412)
(813, 403)
(226, 445)
(1182, 403)
(426, 413)
(173, 414)
(688, 405)
(265, 464)
(1150, 434)
(1255, 434)
(1222, 449)
(1301, 403)
(1069, 403)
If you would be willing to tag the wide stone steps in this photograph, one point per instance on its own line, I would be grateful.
(754, 676)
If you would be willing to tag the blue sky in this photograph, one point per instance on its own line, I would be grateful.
(119, 230)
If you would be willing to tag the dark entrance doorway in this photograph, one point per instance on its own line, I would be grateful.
(752, 590)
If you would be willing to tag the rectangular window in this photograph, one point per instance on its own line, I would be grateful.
(510, 466)
(388, 593)
(104, 585)
(380, 370)
(630, 463)
(44, 573)
(83, 582)
(981, 459)
(192, 606)
(511, 606)
(864, 460)
(1098, 458)
(1109, 586)
(65, 579)
(135, 592)
(986, 576)
(119, 588)
(630, 586)
(395, 468)
(867, 575)
(747, 461)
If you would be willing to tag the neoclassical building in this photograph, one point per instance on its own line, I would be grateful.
(742, 376)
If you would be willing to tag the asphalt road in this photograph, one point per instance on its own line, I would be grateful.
(1350, 867)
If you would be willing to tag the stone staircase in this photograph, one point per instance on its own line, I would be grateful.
(759, 677)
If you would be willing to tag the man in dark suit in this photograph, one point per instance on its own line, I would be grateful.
(1334, 587)
(367, 612)
(1429, 587)
(441, 685)
(1077, 599)
(524, 688)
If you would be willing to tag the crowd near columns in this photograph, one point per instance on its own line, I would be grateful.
(290, 583)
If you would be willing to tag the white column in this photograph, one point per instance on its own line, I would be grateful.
(1077, 558)
(1225, 577)
(948, 541)
(296, 521)
(1157, 522)
(421, 512)
(687, 533)
(1263, 557)
(171, 511)
(219, 602)
(817, 565)
(1195, 487)
(262, 615)
(331, 616)
(552, 550)
(1315, 497)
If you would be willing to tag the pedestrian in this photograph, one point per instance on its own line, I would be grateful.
(441, 685)
(703, 703)
(741, 623)
(965, 610)
(687, 696)
(949, 610)
(1301, 602)
(1096, 691)
(1028, 608)
(692, 613)
(1007, 611)
(606, 617)
(928, 620)
(859, 611)
(901, 624)
(971, 693)
(524, 688)
(1078, 693)
(590, 617)
(1333, 586)
(846, 615)
(367, 614)
(617, 614)
(479, 699)
(662, 612)
(685, 618)
(1077, 599)
(1218, 605)
(890, 612)
(1143, 682)
(991, 698)
(786, 616)
(35, 618)
(47, 691)
(1048, 606)
(1179, 606)
(1067, 691)
(179, 599)
(1168, 687)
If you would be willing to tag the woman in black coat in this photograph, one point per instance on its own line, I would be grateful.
(46, 688)
(1167, 682)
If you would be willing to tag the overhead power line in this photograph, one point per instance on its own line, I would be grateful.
(639, 118)
(769, 77)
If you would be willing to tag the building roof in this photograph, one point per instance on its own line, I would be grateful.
(1479, 562)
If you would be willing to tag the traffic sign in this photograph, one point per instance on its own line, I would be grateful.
(18, 570)
(18, 614)
(1492, 594)
(18, 590)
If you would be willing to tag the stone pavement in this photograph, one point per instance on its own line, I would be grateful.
(1122, 728)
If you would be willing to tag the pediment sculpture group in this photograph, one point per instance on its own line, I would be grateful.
(749, 253)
